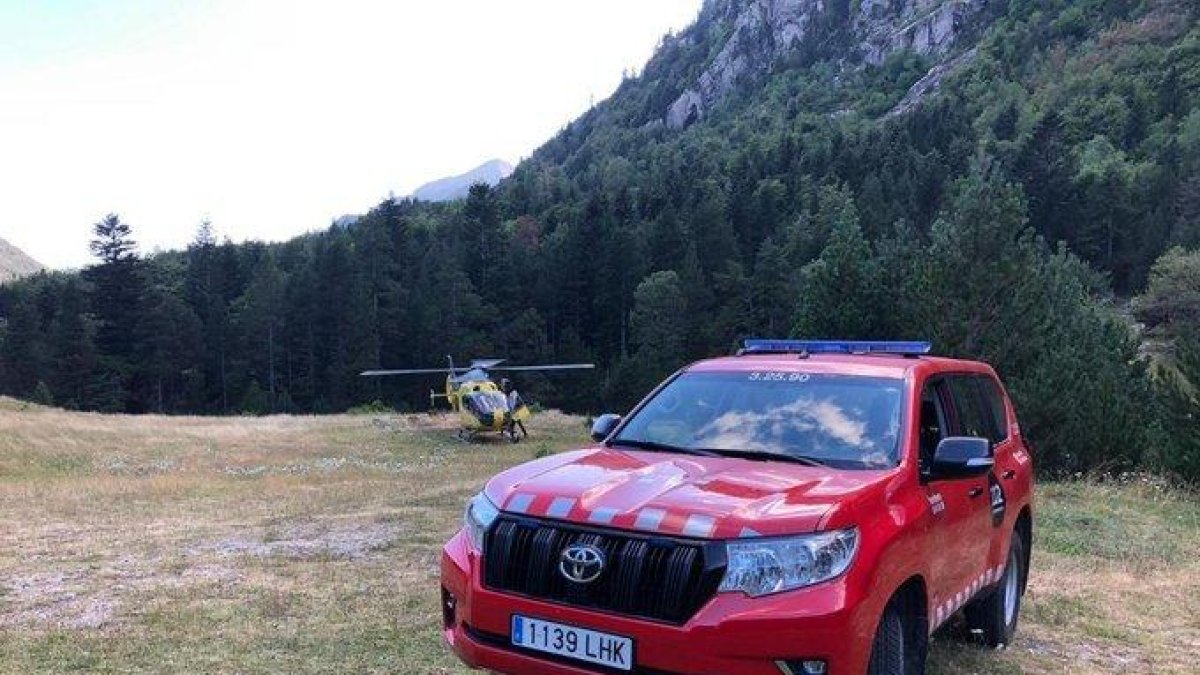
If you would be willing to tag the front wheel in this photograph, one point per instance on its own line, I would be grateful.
(887, 652)
(996, 614)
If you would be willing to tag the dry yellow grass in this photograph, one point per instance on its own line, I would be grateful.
(310, 544)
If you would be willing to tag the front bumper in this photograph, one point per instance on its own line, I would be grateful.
(730, 635)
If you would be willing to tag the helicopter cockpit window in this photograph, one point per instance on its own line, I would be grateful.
(484, 402)
(850, 422)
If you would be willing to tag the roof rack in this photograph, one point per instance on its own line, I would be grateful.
(803, 348)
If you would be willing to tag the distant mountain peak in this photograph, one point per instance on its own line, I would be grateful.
(447, 189)
(456, 187)
(15, 263)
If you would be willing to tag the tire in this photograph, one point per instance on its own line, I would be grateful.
(887, 651)
(996, 614)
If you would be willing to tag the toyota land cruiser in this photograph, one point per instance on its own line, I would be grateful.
(801, 508)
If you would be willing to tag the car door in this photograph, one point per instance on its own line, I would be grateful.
(973, 417)
(1011, 462)
(959, 508)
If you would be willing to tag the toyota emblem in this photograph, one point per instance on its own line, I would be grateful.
(581, 563)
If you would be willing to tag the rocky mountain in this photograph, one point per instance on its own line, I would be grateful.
(15, 263)
(892, 100)
(456, 187)
(763, 34)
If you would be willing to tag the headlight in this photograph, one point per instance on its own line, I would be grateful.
(480, 515)
(763, 566)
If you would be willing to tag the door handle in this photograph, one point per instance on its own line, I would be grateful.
(975, 492)
(1008, 475)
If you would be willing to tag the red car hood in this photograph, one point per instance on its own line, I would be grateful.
(706, 497)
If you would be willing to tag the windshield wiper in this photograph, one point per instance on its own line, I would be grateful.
(663, 447)
(763, 455)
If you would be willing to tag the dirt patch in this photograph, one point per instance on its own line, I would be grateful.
(54, 599)
(327, 465)
(308, 540)
(414, 423)
(1088, 656)
(89, 595)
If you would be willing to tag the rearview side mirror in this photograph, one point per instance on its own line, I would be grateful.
(604, 426)
(961, 457)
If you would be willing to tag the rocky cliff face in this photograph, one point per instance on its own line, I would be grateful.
(762, 33)
(929, 27)
(14, 263)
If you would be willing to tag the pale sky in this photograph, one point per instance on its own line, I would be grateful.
(271, 117)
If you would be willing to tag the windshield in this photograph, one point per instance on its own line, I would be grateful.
(840, 420)
(483, 402)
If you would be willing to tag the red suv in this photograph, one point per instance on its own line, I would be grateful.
(801, 508)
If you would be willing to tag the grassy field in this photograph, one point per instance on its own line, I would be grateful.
(304, 544)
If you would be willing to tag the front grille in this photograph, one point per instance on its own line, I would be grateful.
(661, 578)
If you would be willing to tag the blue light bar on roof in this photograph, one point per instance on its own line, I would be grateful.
(906, 348)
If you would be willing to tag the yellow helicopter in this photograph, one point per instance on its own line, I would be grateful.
(483, 406)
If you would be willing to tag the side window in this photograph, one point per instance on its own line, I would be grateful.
(933, 422)
(993, 400)
(974, 419)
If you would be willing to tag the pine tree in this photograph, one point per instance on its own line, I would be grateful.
(774, 294)
(974, 260)
(482, 241)
(1170, 306)
(22, 357)
(840, 293)
(73, 350)
(41, 394)
(259, 317)
(1045, 168)
(113, 241)
(700, 304)
(118, 285)
(204, 291)
(382, 242)
(1185, 230)
(169, 352)
(1177, 391)
(995, 292)
(659, 323)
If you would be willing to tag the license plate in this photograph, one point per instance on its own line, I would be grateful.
(582, 644)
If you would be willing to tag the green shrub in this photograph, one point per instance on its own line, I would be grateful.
(375, 407)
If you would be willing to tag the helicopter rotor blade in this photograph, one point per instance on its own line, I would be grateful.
(553, 366)
(410, 371)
